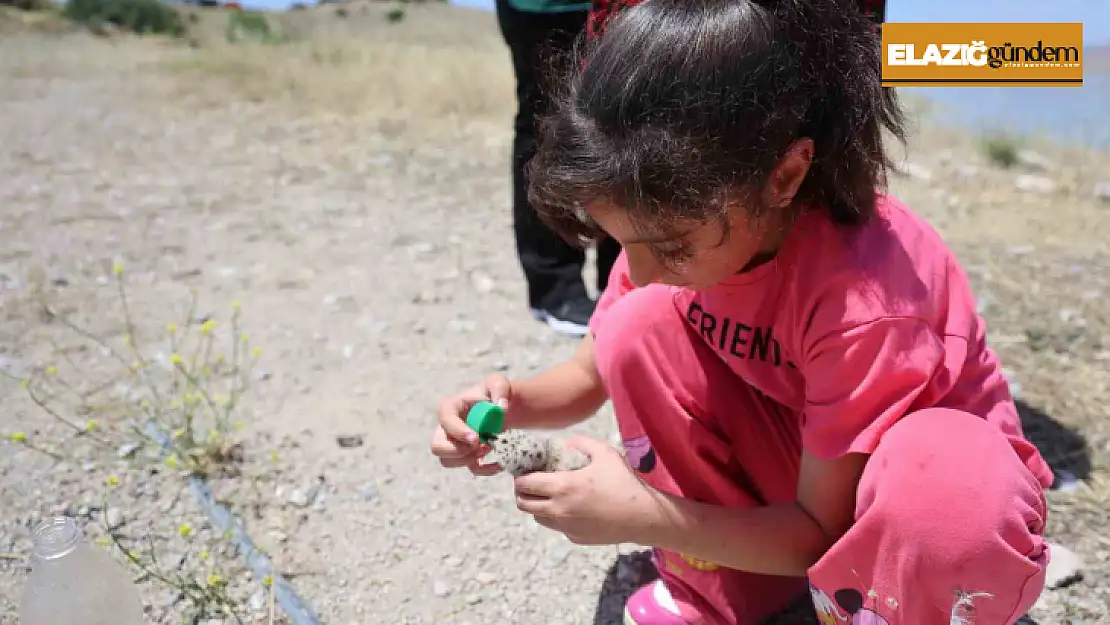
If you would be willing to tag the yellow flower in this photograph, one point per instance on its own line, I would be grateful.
(219, 358)
(274, 456)
(213, 435)
(128, 340)
(112, 481)
(236, 305)
(135, 366)
(218, 399)
(91, 425)
(268, 581)
(245, 339)
(214, 579)
(175, 358)
(175, 404)
(117, 269)
(51, 370)
(133, 554)
(18, 437)
(179, 433)
(24, 383)
(256, 352)
(171, 328)
(185, 530)
(145, 405)
(171, 461)
(207, 327)
(103, 541)
(240, 425)
(204, 555)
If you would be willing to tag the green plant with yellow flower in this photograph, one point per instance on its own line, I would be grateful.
(174, 410)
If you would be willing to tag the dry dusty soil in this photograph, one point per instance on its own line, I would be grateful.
(350, 188)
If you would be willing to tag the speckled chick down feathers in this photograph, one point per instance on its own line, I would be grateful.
(520, 453)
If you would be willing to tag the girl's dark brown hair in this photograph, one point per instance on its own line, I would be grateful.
(685, 105)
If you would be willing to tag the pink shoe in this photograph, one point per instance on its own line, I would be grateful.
(652, 605)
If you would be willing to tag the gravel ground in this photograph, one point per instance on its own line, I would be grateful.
(370, 247)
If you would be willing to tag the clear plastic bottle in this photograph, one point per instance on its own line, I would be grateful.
(72, 582)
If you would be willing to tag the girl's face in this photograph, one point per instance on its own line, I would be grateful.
(696, 255)
(700, 255)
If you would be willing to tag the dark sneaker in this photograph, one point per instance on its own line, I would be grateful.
(571, 318)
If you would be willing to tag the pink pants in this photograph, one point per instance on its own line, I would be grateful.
(948, 524)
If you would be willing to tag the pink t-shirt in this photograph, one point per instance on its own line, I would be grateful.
(852, 328)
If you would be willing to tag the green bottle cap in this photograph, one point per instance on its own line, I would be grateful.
(487, 419)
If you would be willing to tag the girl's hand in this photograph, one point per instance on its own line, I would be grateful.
(602, 504)
(453, 442)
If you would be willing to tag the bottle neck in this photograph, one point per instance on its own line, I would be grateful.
(55, 538)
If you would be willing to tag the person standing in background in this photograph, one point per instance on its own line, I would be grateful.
(537, 31)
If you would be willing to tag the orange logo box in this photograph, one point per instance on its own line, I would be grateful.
(982, 55)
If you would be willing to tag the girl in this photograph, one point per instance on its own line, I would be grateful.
(795, 360)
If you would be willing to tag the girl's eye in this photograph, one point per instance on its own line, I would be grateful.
(672, 256)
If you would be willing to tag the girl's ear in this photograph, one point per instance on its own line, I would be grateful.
(788, 175)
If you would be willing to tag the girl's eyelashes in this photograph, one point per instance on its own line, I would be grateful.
(672, 254)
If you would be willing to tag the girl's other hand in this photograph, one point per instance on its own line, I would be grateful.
(453, 442)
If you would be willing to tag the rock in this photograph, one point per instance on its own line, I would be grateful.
(1034, 160)
(1102, 191)
(1064, 567)
(299, 498)
(127, 450)
(368, 493)
(349, 441)
(114, 518)
(484, 577)
(473, 599)
(1034, 184)
(257, 601)
(482, 282)
(440, 588)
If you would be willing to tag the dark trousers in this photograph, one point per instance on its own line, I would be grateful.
(552, 267)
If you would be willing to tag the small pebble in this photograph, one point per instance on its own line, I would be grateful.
(440, 588)
(257, 601)
(127, 450)
(114, 518)
(349, 441)
(299, 498)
